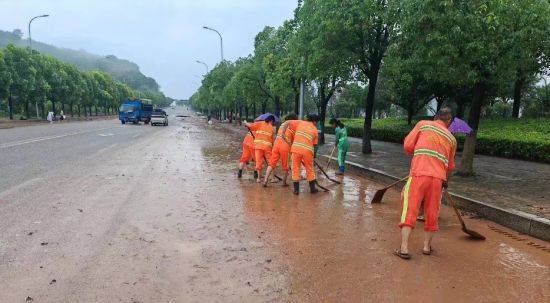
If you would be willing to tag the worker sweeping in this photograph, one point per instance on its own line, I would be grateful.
(281, 149)
(247, 154)
(433, 149)
(263, 143)
(302, 151)
(341, 142)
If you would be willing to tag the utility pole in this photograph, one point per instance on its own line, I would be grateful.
(221, 39)
(30, 46)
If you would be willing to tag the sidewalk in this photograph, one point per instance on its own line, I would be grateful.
(6, 123)
(513, 193)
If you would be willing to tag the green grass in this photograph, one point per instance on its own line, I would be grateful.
(527, 139)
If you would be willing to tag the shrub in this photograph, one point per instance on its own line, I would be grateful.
(527, 139)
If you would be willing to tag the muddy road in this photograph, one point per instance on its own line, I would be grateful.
(165, 220)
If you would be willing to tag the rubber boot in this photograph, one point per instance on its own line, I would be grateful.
(255, 174)
(312, 187)
(296, 188)
(240, 174)
(341, 170)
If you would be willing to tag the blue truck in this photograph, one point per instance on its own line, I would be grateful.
(135, 111)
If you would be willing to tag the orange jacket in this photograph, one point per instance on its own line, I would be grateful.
(305, 137)
(248, 140)
(264, 135)
(433, 149)
(284, 141)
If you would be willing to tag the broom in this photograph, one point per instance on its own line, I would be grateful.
(377, 198)
(473, 234)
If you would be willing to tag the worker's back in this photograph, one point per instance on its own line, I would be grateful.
(305, 137)
(433, 148)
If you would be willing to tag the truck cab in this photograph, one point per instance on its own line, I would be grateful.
(135, 111)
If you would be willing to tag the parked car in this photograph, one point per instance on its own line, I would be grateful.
(159, 116)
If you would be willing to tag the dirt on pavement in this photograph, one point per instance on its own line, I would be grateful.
(179, 227)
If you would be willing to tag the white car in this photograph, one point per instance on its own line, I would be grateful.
(159, 117)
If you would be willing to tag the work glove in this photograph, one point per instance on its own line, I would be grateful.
(445, 185)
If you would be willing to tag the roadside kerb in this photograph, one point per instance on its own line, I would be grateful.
(519, 221)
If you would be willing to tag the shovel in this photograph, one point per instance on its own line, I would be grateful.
(473, 234)
(377, 198)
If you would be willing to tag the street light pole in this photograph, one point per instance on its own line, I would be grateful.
(30, 46)
(205, 65)
(221, 39)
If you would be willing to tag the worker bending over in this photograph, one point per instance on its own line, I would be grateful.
(341, 141)
(433, 149)
(302, 150)
(281, 149)
(263, 142)
(247, 154)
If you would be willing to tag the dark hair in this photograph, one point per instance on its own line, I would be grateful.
(270, 118)
(291, 116)
(313, 118)
(336, 122)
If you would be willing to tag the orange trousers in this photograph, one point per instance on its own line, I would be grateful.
(418, 189)
(279, 153)
(297, 160)
(260, 155)
(247, 155)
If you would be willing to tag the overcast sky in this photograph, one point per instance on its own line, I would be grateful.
(164, 37)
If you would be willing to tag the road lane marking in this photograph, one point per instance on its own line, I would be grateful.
(136, 135)
(18, 187)
(33, 140)
(106, 135)
(106, 148)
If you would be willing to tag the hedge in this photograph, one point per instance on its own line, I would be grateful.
(526, 139)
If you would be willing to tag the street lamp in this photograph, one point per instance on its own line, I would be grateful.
(221, 39)
(30, 47)
(32, 19)
(205, 65)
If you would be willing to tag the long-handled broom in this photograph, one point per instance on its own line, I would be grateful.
(324, 173)
(473, 234)
(377, 198)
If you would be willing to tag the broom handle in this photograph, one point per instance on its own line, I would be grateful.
(455, 209)
(330, 158)
(394, 183)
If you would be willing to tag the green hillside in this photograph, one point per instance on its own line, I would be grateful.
(122, 70)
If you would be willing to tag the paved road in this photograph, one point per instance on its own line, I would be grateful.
(162, 218)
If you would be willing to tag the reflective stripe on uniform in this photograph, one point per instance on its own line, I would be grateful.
(304, 134)
(449, 138)
(264, 133)
(263, 142)
(432, 153)
(298, 144)
(406, 200)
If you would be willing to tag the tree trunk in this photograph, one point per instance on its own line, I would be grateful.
(246, 112)
(264, 105)
(369, 108)
(27, 114)
(323, 102)
(72, 109)
(518, 90)
(410, 111)
(53, 107)
(277, 102)
(459, 106)
(466, 167)
(253, 110)
(296, 101)
(10, 106)
(44, 110)
(95, 109)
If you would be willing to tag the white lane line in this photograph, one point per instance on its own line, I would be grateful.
(106, 135)
(106, 148)
(136, 135)
(18, 187)
(17, 143)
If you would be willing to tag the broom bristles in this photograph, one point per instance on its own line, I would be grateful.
(378, 196)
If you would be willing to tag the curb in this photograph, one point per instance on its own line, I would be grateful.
(519, 221)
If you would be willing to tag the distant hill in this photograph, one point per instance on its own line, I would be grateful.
(123, 70)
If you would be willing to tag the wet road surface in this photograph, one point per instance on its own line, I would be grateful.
(165, 220)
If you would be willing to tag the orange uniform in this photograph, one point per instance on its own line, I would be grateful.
(433, 149)
(263, 143)
(302, 149)
(281, 147)
(248, 149)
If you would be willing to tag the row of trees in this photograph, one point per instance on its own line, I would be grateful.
(29, 80)
(461, 53)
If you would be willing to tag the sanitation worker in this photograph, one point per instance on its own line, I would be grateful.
(263, 142)
(433, 149)
(247, 154)
(302, 151)
(281, 149)
(341, 141)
